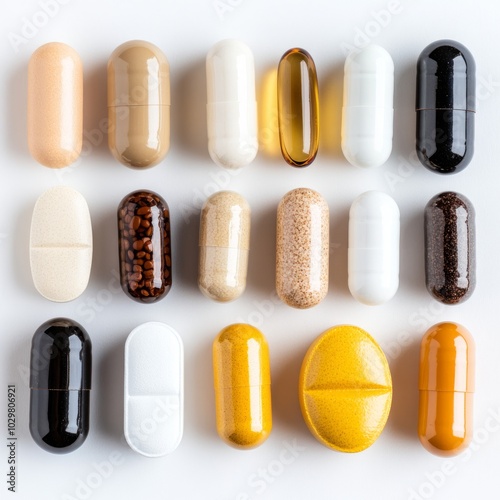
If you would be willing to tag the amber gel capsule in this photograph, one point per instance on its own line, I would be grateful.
(138, 104)
(242, 383)
(446, 386)
(298, 110)
(55, 109)
(60, 377)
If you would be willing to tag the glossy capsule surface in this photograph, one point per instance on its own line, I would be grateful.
(298, 108)
(55, 105)
(242, 383)
(446, 106)
(144, 246)
(138, 104)
(60, 380)
(302, 248)
(345, 389)
(224, 246)
(450, 247)
(446, 387)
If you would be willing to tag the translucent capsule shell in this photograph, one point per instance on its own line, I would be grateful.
(298, 108)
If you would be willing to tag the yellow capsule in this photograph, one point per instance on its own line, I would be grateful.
(242, 383)
(298, 110)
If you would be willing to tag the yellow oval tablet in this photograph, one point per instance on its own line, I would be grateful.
(345, 389)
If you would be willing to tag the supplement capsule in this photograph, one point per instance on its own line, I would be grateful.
(446, 106)
(154, 389)
(60, 378)
(367, 113)
(242, 382)
(373, 255)
(231, 104)
(224, 245)
(298, 109)
(345, 389)
(55, 105)
(450, 248)
(138, 104)
(144, 246)
(446, 387)
(61, 244)
(302, 247)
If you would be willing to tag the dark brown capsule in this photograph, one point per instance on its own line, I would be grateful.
(144, 246)
(450, 247)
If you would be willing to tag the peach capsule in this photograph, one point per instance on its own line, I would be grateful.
(55, 105)
(446, 386)
(242, 383)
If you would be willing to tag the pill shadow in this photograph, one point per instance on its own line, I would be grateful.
(262, 257)
(109, 379)
(330, 117)
(22, 241)
(412, 264)
(188, 110)
(339, 225)
(403, 418)
(16, 105)
(95, 114)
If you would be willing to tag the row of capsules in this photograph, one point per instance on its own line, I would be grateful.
(233, 147)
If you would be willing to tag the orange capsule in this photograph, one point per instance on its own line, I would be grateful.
(446, 386)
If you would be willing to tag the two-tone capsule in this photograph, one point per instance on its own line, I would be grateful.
(373, 255)
(302, 247)
(446, 106)
(242, 383)
(367, 113)
(224, 246)
(138, 104)
(446, 387)
(450, 247)
(144, 246)
(60, 379)
(55, 105)
(231, 104)
(298, 108)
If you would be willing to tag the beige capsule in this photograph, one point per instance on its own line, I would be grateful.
(55, 105)
(224, 246)
(302, 247)
(138, 104)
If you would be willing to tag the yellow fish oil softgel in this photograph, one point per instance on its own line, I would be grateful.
(242, 383)
(345, 389)
(298, 108)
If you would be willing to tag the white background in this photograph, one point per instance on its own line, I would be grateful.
(396, 466)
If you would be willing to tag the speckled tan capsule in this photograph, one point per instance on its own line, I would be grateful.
(55, 105)
(302, 247)
(224, 245)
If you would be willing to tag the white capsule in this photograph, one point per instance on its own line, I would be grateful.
(373, 255)
(154, 389)
(231, 104)
(367, 113)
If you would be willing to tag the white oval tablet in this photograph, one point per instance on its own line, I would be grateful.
(373, 255)
(367, 113)
(231, 104)
(154, 389)
(61, 244)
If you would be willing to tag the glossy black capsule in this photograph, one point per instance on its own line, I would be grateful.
(446, 106)
(60, 378)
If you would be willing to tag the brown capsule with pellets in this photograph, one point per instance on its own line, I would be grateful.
(144, 246)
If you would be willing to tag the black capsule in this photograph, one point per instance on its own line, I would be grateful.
(450, 244)
(60, 378)
(446, 106)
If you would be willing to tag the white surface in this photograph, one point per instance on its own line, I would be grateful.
(291, 464)
(153, 389)
(373, 253)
